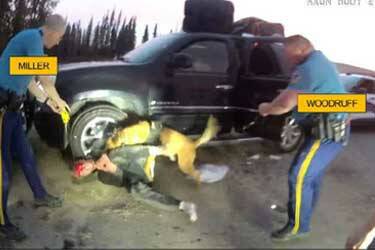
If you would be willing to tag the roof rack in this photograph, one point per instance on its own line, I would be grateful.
(274, 38)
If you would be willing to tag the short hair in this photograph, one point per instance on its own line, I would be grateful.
(55, 22)
(297, 40)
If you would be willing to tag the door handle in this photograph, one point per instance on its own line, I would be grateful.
(224, 87)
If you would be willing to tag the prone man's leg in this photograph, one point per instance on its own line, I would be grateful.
(144, 193)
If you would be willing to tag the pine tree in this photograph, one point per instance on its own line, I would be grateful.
(63, 49)
(155, 34)
(16, 15)
(121, 40)
(5, 23)
(20, 20)
(113, 41)
(145, 35)
(118, 23)
(107, 36)
(96, 41)
(78, 40)
(88, 39)
(72, 41)
(112, 20)
(133, 36)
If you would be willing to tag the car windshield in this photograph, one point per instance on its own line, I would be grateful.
(149, 50)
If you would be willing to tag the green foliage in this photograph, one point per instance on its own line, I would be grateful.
(16, 15)
(145, 35)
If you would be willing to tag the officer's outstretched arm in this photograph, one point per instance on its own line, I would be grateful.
(282, 104)
(42, 96)
(48, 84)
(36, 91)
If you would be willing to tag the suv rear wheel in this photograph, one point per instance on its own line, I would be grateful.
(291, 135)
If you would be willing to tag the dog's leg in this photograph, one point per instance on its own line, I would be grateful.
(149, 168)
(163, 150)
(186, 164)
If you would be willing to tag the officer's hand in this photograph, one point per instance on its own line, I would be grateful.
(53, 105)
(105, 164)
(264, 109)
(62, 105)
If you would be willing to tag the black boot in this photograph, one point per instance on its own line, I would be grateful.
(12, 232)
(48, 201)
(286, 234)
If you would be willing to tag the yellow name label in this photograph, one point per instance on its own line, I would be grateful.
(33, 65)
(331, 103)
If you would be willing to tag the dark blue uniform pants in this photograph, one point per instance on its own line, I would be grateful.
(14, 142)
(305, 179)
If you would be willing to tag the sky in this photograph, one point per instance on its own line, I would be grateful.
(343, 31)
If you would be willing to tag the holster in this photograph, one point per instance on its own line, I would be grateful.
(3, 99)
(10, 100)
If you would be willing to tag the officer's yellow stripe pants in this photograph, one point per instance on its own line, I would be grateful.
(305, 179)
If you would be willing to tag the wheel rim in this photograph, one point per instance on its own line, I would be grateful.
(93, 131)
(290, 133)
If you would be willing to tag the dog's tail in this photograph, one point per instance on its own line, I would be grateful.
(212, 128)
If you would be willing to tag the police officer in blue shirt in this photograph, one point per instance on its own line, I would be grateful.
(313, 73)
(29, 42)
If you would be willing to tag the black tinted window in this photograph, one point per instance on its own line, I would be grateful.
(208, 56)
(150, 50)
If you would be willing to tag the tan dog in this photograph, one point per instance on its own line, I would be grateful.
(132, 135)
(173, 144)
(176, 144)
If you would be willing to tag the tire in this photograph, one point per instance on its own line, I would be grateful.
(89, 126)
(291, 136)
(197, 7)
(215, 16)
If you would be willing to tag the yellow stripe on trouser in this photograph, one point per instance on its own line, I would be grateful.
(301, 175)
(2, 222)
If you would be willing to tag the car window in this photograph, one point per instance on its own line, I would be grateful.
(150, 50)
(208, 56)
(263, 61)
(366, 86)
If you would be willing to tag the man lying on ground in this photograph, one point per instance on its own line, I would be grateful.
(125, 167)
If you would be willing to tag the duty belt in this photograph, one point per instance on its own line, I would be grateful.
(324, 128)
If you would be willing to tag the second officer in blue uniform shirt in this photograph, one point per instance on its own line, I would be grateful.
(313, 74)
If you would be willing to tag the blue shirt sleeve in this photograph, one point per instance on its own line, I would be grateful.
(300, 82)
(34, 45)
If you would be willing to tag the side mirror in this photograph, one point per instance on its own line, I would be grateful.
(181, 60)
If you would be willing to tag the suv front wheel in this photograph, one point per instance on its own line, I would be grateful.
(90, 125)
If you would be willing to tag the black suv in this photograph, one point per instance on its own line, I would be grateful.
(180, 79)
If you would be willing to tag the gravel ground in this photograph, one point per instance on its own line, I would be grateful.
(233, 213)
